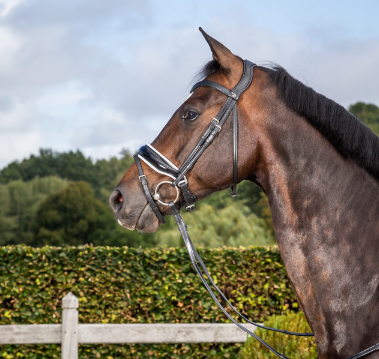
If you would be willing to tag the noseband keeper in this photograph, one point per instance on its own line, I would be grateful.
(159, 163)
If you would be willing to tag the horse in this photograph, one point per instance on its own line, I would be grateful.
(319, 168)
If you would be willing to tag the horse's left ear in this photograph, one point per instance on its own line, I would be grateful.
(221, 53)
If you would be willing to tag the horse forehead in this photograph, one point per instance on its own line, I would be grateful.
(221, 79)
(206, 97)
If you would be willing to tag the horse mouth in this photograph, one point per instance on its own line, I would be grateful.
(146, 221)
(131, 228)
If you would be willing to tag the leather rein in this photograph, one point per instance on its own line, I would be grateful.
(159, 163)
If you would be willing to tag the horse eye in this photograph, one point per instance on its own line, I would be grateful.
(190, 115)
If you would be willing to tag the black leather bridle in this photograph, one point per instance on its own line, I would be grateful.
(158, 162)
(161, 164)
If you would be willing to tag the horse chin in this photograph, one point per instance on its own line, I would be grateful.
(125, 225)
(146, 222)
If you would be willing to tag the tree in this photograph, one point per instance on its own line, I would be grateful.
(102, 175)
(73, 216)
(368, 113)
(20, 202)
(233, 225)
(7, 223)
(61, 218)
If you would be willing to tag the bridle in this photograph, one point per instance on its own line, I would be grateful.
(159, 163)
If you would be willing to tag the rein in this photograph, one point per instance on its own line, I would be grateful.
(159, 163)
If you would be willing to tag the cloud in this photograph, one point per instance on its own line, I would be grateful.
(343, 70)
(19, 145)
(17, 118)
(6, 6)
(9, 44)
(100, 76)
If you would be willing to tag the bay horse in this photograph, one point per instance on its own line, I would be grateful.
(319, 168)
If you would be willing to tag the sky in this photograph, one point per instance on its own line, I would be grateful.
(100, 76)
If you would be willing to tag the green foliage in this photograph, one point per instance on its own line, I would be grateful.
(18, 204)
(291, 346)
(73, 216)
(265, 211)
(7, 223)
(31, 212)
(52, 211)
(368, 114)
(130, 285)
(250, 194)
(73, 166)
(221, 220)
(233, 225)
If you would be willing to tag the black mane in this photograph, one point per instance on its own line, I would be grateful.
(345, 132)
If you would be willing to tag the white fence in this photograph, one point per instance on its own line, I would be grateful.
(70, 333)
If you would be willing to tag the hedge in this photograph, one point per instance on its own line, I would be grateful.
(134, 285)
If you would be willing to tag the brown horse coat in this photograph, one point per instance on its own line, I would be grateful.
(321, 180)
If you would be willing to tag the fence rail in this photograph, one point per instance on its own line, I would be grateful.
(70, 333)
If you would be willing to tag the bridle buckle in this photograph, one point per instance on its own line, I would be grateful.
(183, 181)
(190, 208)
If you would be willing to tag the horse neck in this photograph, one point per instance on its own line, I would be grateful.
(324, 210)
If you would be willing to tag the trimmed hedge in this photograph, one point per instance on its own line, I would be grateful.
(134, 285)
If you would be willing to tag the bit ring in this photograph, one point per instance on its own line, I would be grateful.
(156, 194)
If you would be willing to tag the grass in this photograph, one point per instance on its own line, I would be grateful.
(289, 345)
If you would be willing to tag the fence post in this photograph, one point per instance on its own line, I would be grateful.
(70, 319)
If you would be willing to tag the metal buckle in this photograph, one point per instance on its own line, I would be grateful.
(156, 194)
(215, 119)
(141, 176)
(218, 127)
(184, 180)
(189, 208)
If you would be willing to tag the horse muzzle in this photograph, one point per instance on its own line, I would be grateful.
(131, 209)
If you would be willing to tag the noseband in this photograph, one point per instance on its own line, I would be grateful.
(159, 163)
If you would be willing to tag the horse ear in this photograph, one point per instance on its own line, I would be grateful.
(220, 53)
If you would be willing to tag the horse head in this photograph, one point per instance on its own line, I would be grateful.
(213, 171)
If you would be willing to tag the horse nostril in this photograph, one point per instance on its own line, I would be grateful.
(116, 200)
